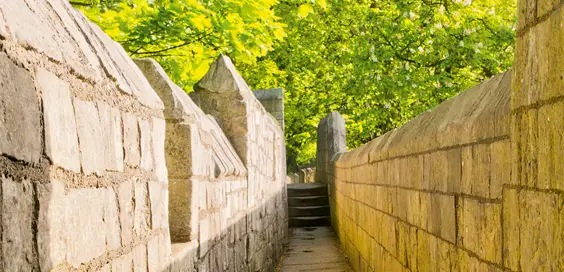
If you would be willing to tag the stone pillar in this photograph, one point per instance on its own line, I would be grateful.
(537, 144)
(331, 140)
(182, 145)
(273, 102)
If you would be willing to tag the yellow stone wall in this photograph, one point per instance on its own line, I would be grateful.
(449, 191)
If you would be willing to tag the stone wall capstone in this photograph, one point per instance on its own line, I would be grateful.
(273, 102)
(331, 140)
(106, 165)
(259, 140)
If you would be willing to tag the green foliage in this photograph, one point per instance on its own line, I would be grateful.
(381, 63)
(185, 36)
(377, 62)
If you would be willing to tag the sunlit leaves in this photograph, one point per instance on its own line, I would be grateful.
(304, 10)
(186, 35)
(381, 63)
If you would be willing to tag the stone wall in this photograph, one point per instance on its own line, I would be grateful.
(437, 193)
(258, 139)
(87, 150)
(273, 102)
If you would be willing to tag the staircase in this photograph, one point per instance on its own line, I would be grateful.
(308, 205)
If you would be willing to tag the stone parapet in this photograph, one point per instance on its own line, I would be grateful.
(101, 162)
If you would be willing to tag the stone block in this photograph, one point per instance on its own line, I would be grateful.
(500, 167)
(110, 119)
(448, 218)
(550, 146)
(553, 32)
(511, 224)
(481, 170)
(20, 128)
(91, 137)
(158, 136)
(454, 170)
(85, 223)
(469, 219)
(490, 233)
(131, 142)
(52, 234)
(123, 263)
(541, 238)
(142, 220)
(61, 140)
(527, 11)
(126, 211)
(111, 217)
(140, 258)
(158, 195)
(18, 208)
(153, 255)
(146, 142)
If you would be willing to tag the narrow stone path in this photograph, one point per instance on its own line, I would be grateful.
(313, 249)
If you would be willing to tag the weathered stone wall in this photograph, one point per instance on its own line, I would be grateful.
(86, 157)
(475, 184)
(533, 208)
(258, 139)
(84, 180)
(273, 102)
(434, 193)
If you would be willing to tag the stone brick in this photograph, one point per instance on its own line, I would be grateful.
(158, 136)
(454, 170)
(448, 218)
(541, 240)
(146, 150)
(61, 141)
(142, 220)
(481, 170)
(18, 206)
(490, 233)
(469, 220)
(140, 258)
(183, 209)
(123, 263)
(527, 11)
(52, 234)
(158, 195)
(126, 211)
(91, 138)
(550, 146)
(20, 126)
(86, 227)
(511, 234)
(131, 142)
(110, 119)
(500, 167)
(111, 217)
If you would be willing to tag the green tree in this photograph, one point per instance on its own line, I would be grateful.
(380, 63)
(377, 62)
(185, 36)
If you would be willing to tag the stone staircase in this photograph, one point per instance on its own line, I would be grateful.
(308, 205)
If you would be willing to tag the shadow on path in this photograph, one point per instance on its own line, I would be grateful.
(313, 249)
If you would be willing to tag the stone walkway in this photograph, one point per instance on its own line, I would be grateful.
(313, 249)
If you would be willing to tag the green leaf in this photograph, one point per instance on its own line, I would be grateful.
(304, 10)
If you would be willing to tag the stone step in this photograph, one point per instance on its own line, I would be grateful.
(307, 189)
(309, 211)
(306, 201)
(309, 221)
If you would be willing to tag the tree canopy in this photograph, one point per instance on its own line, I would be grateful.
(377, 62)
